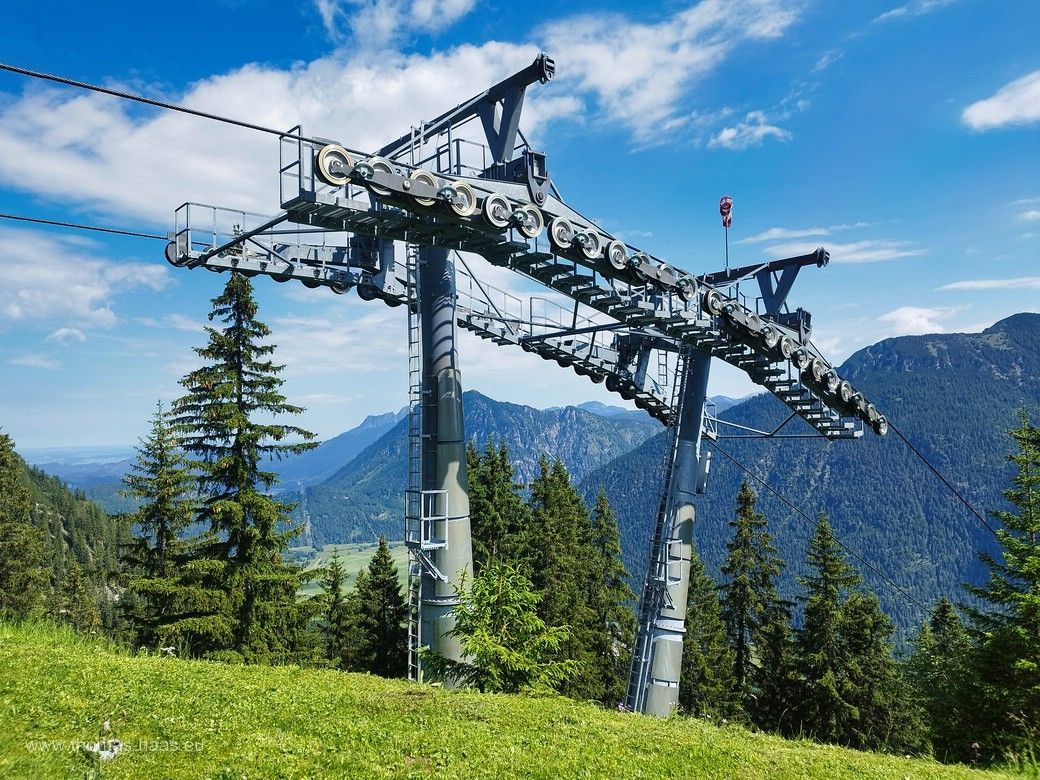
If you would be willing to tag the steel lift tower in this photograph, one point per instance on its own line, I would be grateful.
(398, 225)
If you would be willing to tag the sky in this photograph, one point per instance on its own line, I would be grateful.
(905, 138)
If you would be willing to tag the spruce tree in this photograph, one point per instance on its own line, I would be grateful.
(748, 591)
(939, 670)
(498, 513)
(24, 568)
(161, 481)
(609, 595)
(774, 677)
(341, 630)
(507, 647)
(219, 422)
(383, 612)
(706, 684)
(824, 709)
(1007, 629)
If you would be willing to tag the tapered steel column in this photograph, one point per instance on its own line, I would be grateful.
(657, 655)
(443, 459)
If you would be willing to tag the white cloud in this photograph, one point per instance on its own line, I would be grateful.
(375, 23)
(778, 233)
(1018, 283)
(914, 9)
(1017, 103)
(62, 335)
(46, 278)
(35, 361)
(827, 59)
(871, 251)
(1031, 215)
(751, 132)
(641, 72)
(915, 321)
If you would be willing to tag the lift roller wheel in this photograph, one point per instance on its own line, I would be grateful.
(687, 288)
(311, 284)
(613, 384)
(284, 275)
(174, 256)
(617, 255)
(818, 368)
(770, 336)
(340, 288)
(714, 302)
(831, 381)
(845, 392)
(635, 265)
(333, 165)
(529, 221)
(496, 211)
(561, 233)
(366, 292)
(801, 358)
(428, 179)
(787, 347)
(461, 198)
(590, 243)
(881, 426)
(366, 169)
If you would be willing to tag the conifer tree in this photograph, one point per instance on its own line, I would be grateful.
(497, 511)
(939, 671)
(341, 629)
(161, 480)
(706, 684)
(78, 600)
(507, 647)
(24, 569)
(609, 595)
(1007, 631)
(774, 676)
(253, 613)
(748, 592)
(824, 709)
(382, 613)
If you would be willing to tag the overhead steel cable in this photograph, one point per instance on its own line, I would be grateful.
(791, 505)
(155, 103)
(942, 479)
(78, 226)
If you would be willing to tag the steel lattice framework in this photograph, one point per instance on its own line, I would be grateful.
(397, 225)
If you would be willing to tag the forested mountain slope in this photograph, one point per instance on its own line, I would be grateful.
(953, 395)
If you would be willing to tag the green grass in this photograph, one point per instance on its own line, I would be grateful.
(182, 719)
(354, 557)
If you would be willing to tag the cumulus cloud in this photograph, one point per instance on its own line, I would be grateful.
(48, 278)
(375, 23)
(870, 251)
(755, 129)
(1018, 283)
(62, 335)
(1016, 103)
(1030, 215)
(916, 321)
(640, 72)
(914, 9)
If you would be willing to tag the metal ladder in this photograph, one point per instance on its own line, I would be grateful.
(655, 585)
(413, 496)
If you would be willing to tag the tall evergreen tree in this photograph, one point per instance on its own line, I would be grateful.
(706, 684)
(383, 612)
(939, 671)
(24, 568)
(774, 677)
(507, 647)
(824, 709)
(497, 511)
(748, 592)
(341, 630)
(219, 420)
(1007, 633)
(163, 483)
(609, 595)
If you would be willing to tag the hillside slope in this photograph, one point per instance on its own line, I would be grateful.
(366, 497)
(180, 719)
(953, 395)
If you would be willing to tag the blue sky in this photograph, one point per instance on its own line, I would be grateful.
(903, 137)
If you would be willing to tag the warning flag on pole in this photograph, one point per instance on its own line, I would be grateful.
(726, 210)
